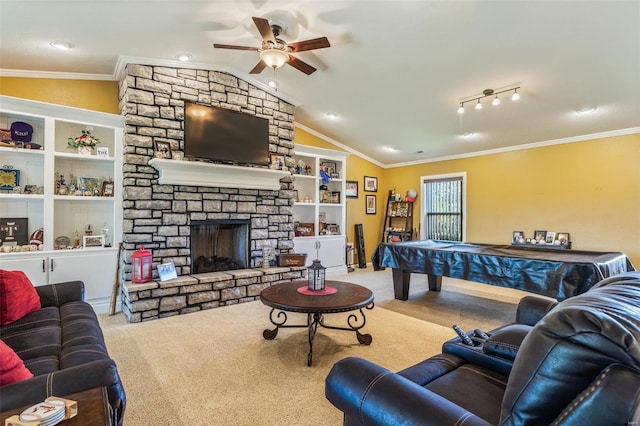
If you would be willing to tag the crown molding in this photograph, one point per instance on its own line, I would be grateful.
(56, 75)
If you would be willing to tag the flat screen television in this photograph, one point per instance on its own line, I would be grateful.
(220, 134)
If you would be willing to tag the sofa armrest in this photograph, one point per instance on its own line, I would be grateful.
(531, 309)
(370, 394)
(93, 374)
(58, 294)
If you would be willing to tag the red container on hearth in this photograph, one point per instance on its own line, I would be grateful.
(141, 266)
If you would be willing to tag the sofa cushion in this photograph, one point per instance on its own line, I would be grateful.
(42, 365)
(35, 342)
(18, 297)
(505, 341)
(12, 369)
(43, 317)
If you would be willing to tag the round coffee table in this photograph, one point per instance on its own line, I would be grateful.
(286, 297)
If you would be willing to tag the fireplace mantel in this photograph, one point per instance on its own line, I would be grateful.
(194, 173)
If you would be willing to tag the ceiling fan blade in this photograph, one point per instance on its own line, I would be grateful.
(258, 68)
(265, 29)
(230, 46)
(316, 43)
(300, 65)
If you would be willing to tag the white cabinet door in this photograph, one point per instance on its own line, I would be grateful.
(34, 267)
(97, 271)
(331, 252)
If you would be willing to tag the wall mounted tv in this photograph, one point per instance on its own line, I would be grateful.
(220, 134)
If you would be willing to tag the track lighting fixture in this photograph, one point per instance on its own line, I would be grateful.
(489, 92)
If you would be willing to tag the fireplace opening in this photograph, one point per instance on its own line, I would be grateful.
(220, 245)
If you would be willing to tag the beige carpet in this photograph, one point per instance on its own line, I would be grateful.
(214, 367)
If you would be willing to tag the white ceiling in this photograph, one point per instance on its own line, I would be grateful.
(394, 74)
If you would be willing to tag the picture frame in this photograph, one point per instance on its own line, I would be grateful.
(305, 229)
(517, 236)
(9, 178)
(540, 235)
(370, 184)
(92, 241)
(277, 162)
(335, 197)
(30, 189)
(107, 188)
(330, 168)
(370, 204)
(550, 237)
(167, 271)
(564, 239)
(351, 189)
(89, 185)
(333, 228)
(14, 231)
(163, 150)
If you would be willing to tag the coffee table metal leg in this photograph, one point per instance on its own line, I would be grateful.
(352, 322)
(312, 320)
(279, 321)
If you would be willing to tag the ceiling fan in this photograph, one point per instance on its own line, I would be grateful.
(276, 52)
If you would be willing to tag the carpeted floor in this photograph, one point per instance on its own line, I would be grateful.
(214, 367)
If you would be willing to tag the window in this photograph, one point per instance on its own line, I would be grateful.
(443, 207)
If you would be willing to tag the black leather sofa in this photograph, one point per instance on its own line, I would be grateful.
(579, 364)
(63, 346)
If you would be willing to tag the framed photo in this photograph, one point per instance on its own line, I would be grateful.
(563, 237)
(371, 204)
(335, 197)
(14, 231)
(517, 236)
(333, 228)
(30, 189)
(107, 188)
(167, 271)
(277, 162)
(550, 237)
(371, 184)
(9, 178)
(92, 241)
(330, 168)
(351, 189)
(163, 150)
(304, 229)
(540, 235)
(89, 185)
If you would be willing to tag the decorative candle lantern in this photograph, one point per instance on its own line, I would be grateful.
(315, 276)
(141, 266)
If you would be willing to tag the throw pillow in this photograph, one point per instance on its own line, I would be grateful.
(12, 368)
(18, 297)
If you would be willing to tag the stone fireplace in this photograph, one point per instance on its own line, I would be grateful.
(219, 245)
(165, 200)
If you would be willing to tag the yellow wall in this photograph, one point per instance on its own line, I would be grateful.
(590, 189)
(87, 94)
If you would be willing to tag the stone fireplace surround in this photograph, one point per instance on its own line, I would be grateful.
(159, 204)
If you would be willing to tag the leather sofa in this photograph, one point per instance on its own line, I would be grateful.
(63, 346)
(578, 364)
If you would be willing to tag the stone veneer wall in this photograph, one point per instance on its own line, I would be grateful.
(158, 216)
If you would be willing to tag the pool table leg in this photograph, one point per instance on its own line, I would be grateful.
(435, 282)
(401, 283)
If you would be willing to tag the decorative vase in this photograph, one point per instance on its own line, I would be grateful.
(84, 150)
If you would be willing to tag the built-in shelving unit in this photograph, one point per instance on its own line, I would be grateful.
(320, 209)
(83, 203)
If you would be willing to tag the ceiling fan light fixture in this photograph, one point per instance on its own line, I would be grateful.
(274, 58)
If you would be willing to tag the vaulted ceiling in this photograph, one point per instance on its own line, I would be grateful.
(394, 75)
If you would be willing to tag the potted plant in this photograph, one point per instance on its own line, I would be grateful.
(85, 143)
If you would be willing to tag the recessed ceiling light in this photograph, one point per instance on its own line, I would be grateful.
(272, 83)
(332, 116)
(61, 45)
(467, 135)
(184, 57)
(389, 148)
(587, 110)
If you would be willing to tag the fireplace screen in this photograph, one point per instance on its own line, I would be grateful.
(219, 245)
